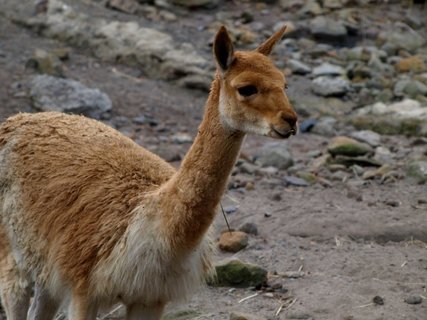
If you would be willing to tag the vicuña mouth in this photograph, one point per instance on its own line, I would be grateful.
(285, 134)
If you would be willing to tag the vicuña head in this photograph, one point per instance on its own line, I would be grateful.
(253, 97)
(92, 219)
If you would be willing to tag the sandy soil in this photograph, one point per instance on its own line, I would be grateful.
(347, 240)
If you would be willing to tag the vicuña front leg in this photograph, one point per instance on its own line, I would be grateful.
(16, 302)
(82, 309)
(15, 289)
(139, 311)
(43, 307)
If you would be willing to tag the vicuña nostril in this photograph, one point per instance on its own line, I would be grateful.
(291, 119)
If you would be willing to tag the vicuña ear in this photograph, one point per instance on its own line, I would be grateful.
(223, 49)
(269, 44)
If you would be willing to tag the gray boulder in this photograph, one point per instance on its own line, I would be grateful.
(235, 273)
(327, 29)
(346, 146)
(155, 52)
(196, 3)
(416, 171)
(328, 69)
(276, 155)
(406, 117)
(298, 67)
(410, 88)
(50, 93)
(400, 37)
(370, 137)
(328, 86)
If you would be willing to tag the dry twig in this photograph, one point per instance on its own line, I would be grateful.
(109, 313)
(247, 298)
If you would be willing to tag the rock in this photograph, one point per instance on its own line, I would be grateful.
(327, 29)
(392, 203)
(400, 37)
(351, 161)
(413, 21)
(233, 241)
(196, 3)
(320, 50)
(127, 6)
(235, 273)
(293, 274)
(414, 300)
(320, 162)
(376, 64)
(299, 316)
(62, 53)
(249, 186)
(378, 300)
(200, 82)
(248, 168)
(249, 228)
(230, 209)
(185, 314)
(155, 52)
(295, 181)
(348, 147)
(327, 69)
(325, 126)
(181, 138)
(413, 64)
(327, 86)
(298, 67)
(245, 36)
(309, 177)
(56, 94)
(307, 125)
(380, 172)
(421, 77)
(333, 4)
(416, 171)
(365, 53)
(310, 8)
(276, 155)
(45, 63)
(244, 316)
(410, 88)
(291, 6)
(370, 137)
(405, 117)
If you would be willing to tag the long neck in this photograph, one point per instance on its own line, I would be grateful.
(196, 189)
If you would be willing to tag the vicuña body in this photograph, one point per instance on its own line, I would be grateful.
(92, 219)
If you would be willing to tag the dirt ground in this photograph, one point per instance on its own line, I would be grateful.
(348, 241)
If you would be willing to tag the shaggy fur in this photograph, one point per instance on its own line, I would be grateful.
(94, 219)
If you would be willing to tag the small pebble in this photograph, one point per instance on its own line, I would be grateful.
(277, 196)
(249, 228)
(295, 181)
(233, 241)
(230, 209)
(413, 300)
(249, 185)
(378, 300)
(392, 203)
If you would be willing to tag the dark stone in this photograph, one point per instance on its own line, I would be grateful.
(378, 300)
(414, 300)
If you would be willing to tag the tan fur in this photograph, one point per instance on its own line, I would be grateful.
(94, 219)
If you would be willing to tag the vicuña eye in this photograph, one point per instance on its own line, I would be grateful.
(247, 91)
(286, 86)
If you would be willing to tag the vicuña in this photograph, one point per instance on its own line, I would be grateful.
(89, 218)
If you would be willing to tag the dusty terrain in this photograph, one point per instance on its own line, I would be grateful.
(352, 239)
